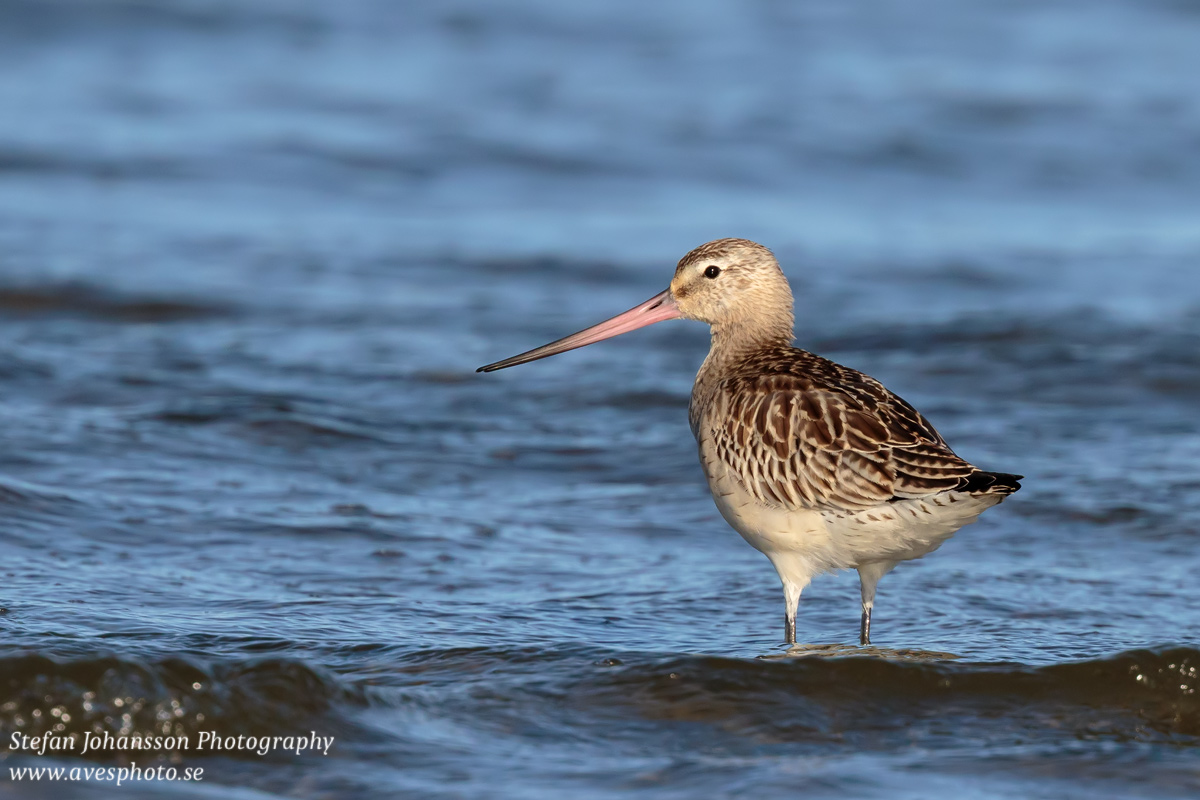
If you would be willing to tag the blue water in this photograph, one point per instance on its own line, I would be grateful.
(251, 253)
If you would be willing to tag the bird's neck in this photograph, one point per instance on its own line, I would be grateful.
(732, 344)
(733, 341)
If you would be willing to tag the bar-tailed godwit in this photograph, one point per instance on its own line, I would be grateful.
(816, 465)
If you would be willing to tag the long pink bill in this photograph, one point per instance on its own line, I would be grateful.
(657, 309)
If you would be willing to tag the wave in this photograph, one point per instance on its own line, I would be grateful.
(83, 300)
(821, 697)
(834, 695)
(170, 698)
(1147, 695)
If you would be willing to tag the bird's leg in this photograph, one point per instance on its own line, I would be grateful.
(868, 578)
(791, 599)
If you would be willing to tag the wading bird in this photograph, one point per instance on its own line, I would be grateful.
(816, 465)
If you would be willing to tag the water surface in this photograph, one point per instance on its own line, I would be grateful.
(251, 253)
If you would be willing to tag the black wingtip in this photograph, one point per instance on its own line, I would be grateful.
(991, 483)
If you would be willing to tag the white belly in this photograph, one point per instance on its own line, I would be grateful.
(802, 543)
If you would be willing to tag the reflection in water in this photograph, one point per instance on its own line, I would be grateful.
(859, 651)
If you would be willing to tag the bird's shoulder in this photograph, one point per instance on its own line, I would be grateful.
(840, 407)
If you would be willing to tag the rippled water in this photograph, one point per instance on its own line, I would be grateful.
(251, 252)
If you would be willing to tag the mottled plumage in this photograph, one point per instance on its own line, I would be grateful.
(804, 432)
(816, 465)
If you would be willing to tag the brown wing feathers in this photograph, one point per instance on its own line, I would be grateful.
(806, 432)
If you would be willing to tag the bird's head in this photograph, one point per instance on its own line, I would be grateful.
(734, 285)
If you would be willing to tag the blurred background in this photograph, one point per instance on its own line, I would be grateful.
(251, 253)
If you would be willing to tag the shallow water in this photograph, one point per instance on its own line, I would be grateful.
(250, 254)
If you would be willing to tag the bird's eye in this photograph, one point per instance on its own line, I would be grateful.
(712, 272)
